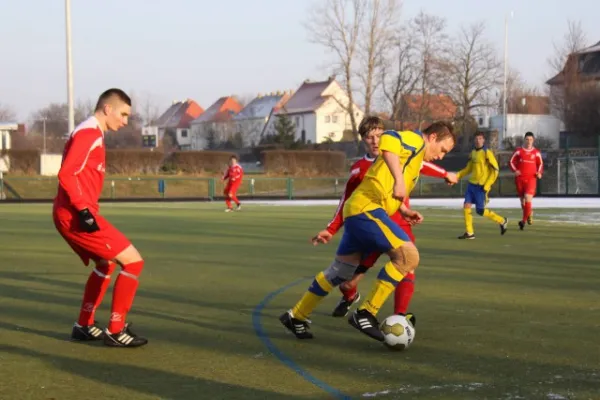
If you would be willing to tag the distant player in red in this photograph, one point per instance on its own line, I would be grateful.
(76, 217)
(528, 166)
(370, 130)
(234, 175)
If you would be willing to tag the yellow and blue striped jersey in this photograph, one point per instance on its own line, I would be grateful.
(482, 167)
(375, 191)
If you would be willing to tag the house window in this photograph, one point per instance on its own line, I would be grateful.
(480, 121)
(184, 133)
(335, 119)
(297, 121)
(327, 119)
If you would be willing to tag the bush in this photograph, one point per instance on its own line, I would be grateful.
(304, 162)
(133, 161)
(195, 162)
(23, 161)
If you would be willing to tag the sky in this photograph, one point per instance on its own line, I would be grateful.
(172, 50)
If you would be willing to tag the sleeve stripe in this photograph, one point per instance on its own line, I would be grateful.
(97, 143)
(435, 167)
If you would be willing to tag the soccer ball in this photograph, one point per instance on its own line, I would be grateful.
(398, 332)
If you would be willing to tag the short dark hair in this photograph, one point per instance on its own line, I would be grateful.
(233, 157)
(368, 124)
(479, 133)
(442, 129)
(109, 94)
(529, 134)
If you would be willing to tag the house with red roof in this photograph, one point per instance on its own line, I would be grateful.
(215, 123)
(175, 121)
(318, 110)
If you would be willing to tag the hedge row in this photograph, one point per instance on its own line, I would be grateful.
(121, 161)
(305, 162)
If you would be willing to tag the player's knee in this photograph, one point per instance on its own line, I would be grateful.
(104, 268)
(339, 272)
(362, 269)
(405, 258)
(133, 269)
(480, 211)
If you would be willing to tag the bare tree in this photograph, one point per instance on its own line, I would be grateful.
(430, 42)
(400, 74)
(516, 90)
(472, 72)
(145, 107)
(573, 40)
(7, 113)
(336, 25)
(378, 36)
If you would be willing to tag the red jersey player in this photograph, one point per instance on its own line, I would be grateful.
(76, 217)
(234, 175)
(371, 129)
(527, 164)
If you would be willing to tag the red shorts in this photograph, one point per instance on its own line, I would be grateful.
(231, 188)
(372, 258)
(526, 185)
(105, 244)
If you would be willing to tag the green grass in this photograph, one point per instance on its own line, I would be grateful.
(498, 317)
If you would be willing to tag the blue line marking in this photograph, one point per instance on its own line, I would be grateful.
(262, 335)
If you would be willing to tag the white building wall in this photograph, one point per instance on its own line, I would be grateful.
(517, 125)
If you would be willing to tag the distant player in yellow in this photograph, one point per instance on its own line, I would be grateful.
(368, 227)
(483, 168)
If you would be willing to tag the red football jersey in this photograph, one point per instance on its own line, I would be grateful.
(81, 175)
(357, 174)
(234, 173)
(529, 162)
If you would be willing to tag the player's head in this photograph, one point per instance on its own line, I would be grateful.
(528, 140)
(113, 109)
(370, 130)
(479, 140)
(233, 160)
(439, 140)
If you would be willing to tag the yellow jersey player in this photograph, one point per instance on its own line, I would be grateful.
(368, 227)
(483, 168)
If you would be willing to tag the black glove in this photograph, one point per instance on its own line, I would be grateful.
(87, 222)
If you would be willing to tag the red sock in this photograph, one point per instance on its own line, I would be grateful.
(235, 199)
(526, 211)
(350, 293)
(403, 294)
(228, 201)
(123, 294)
(95, 288)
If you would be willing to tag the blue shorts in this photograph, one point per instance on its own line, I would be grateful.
(476, 195)
(371, 231)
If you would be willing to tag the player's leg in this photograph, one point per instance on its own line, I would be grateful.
(520, 184)
(118, 333)
(530, 190)
(233, 196)
(406, 287)
(468, 215)
(481, 209)
(85, 328)
(386, 236)
(349, 289)
(341, 269)
(95, 289)
(227, 195)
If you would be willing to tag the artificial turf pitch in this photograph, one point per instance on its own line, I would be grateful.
(512, 317)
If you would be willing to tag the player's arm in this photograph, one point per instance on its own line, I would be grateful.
(540, 164)
(225, 175)
(466, 170)
(390, 146)
(432, 170)
(74, 162)
(494, 170)
(338, 218)
(514, 162)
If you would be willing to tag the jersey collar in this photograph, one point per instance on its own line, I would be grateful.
(371, 159)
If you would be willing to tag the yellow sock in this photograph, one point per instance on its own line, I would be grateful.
(317, 291)
(468, 221)
(387, 280)
(493, 216)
